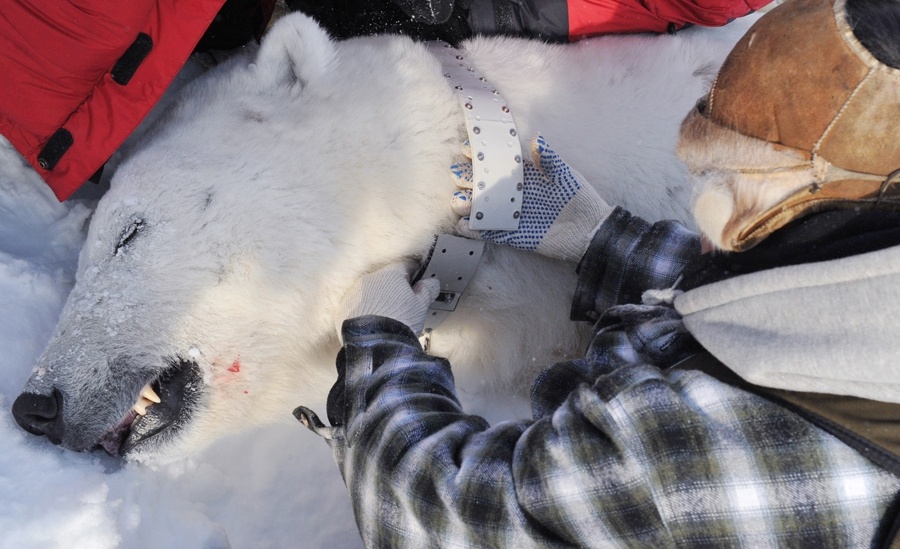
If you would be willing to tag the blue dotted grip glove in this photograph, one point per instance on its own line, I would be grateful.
(560, 210)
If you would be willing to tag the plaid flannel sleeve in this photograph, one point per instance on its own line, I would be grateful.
(628, 256)
(422, 473)
(637, 458)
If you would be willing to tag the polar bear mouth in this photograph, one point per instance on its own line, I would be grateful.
(163, 408)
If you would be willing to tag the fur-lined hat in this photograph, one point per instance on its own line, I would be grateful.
(801, 118)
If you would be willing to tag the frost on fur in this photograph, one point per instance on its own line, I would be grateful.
(214, 266)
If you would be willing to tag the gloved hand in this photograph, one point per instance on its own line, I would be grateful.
(560, 210)
(387, 292)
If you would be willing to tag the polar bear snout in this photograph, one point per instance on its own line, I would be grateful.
(85, 418)
(40, 414)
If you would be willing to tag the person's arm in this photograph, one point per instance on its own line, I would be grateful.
(420, 471)
(628, 256)
(423, 473)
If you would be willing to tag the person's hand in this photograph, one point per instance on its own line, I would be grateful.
(560, 210)
(387, 292)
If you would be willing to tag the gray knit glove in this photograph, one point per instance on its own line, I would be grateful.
(387, 292)
(560, 210)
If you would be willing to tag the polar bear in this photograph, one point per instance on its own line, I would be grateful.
(207, 288)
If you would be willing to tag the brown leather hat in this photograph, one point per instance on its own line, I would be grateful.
(801, 118)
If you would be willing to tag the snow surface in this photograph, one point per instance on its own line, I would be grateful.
(274, 487)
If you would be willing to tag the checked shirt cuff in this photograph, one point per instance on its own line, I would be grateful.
(369, 331)
(627, 257)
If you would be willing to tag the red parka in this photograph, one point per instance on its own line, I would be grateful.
(80, 75)
(592, 17)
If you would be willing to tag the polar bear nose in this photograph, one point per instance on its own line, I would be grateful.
(39, 414)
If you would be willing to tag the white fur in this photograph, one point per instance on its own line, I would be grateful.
(736, 177)
(275, 181)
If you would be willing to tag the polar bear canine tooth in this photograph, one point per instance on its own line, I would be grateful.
(148, 393)
(148, 398)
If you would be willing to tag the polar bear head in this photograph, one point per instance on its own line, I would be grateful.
(270, 185)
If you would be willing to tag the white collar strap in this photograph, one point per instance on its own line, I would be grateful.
(452, 260)
(496, 151)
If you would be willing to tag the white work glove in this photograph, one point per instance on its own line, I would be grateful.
(560, 210)
(387, 292)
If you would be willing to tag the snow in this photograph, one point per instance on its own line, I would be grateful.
(274, 487)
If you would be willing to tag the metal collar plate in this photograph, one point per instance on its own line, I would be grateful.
(453, 261)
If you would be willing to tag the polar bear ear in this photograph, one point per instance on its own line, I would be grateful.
(295, 51)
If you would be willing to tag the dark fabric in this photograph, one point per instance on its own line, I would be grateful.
(628, 256)
(625, 334)
(875, 24)
(543, 19)
(892, 540)
(58, 144)
(362, 330)
(237, 22)
(335, 407)
(430, 12)
(349, 18)
(818, 237)
(125, 67)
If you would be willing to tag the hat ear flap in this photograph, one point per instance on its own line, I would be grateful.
(296, 52)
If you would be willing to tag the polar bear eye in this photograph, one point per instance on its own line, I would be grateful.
(129, 234)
